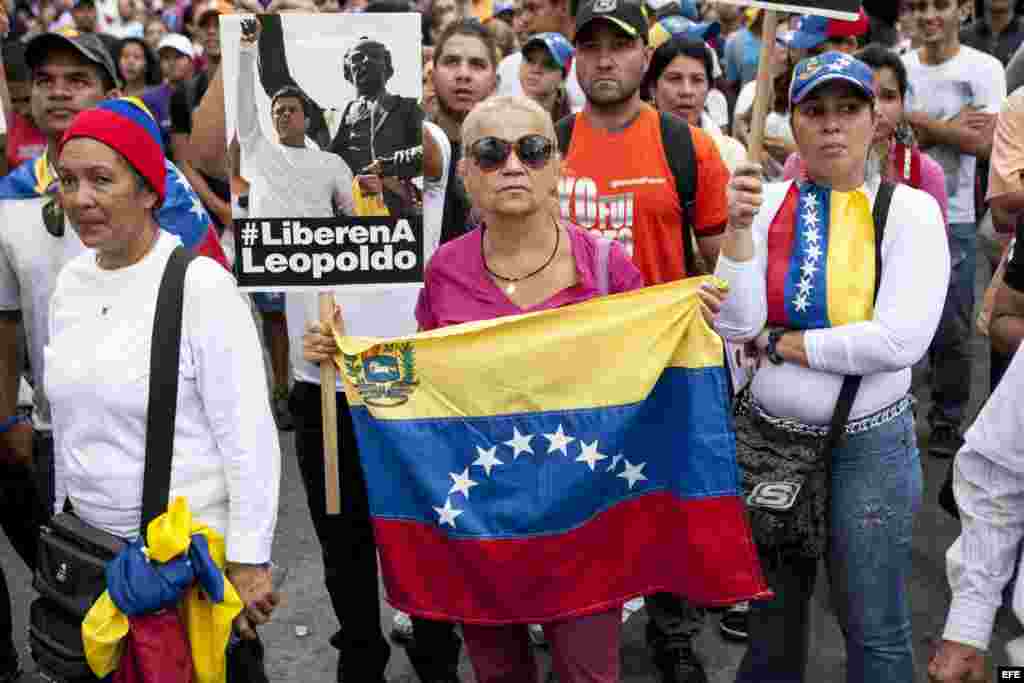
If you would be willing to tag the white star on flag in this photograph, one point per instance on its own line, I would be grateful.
(813, 252)
(615, 462)
(462, 483)
(805, 286)
(809, 268)
(197, 208)
(811, 202)
(811, 218)
(520, 443)
(183, 181)
(447, 514)
(487, 459)
(559, 441)
(811, 235)
(632, 473)
(590, 454)
(800, 303)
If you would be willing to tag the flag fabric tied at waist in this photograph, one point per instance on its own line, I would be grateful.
(553, 464)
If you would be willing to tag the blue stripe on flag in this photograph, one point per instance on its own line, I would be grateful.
(477, 473)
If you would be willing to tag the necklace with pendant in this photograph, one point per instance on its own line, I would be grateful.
(510, 288)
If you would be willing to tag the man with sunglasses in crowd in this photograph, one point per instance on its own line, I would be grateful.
(70, 73)
(955, 94)
(635, 201)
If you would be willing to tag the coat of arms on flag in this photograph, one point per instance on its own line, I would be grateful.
(553, 464)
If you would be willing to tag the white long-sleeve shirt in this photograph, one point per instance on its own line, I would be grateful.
(915, 277)
(227, 460)
(285, 182)
(988, 482)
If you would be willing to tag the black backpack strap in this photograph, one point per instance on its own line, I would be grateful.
(851, 383)
(563, 131)
(161, 409)
(682, 161)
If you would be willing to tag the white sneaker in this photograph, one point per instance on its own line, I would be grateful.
(631, 608)
(401, 628)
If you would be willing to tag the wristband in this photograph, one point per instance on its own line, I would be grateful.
(12, 422)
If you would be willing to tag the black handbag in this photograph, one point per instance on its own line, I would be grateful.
(787, 476)
(72, 555)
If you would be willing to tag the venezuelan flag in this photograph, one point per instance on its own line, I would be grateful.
(821, 259)
(553, 464)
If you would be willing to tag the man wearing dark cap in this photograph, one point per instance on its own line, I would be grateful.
(70, 73)
(637, 201)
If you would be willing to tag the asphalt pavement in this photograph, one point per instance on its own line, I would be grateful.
(297, 648)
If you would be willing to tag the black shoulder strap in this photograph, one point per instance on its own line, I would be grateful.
(682, 161)
(563, 131)
(164, 356)
(851, 383)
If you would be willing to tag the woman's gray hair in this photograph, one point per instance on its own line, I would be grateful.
(499, 104)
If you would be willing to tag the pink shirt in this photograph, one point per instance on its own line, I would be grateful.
(933, 178)
(457, 289)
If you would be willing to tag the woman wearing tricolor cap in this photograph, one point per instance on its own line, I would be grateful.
(801, 260)
(226, 462)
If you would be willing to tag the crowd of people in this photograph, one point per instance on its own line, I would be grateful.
(892, 170)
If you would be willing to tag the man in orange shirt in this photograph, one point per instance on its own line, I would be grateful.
(616, 179)
(617, 182)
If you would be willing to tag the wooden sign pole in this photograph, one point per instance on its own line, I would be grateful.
(329, 411)
(764, 94)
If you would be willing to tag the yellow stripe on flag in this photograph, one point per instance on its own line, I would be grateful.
(851, 259)
(567, 358)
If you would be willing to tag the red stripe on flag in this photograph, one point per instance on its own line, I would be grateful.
(780, 249)
(700, 549)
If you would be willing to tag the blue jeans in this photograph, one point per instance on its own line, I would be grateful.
(950, 353)
(876, 490)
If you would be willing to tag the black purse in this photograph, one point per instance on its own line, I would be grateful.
(786, 476)
(73, 555)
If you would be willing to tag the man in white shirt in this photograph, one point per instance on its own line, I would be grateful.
(988, 482)
(542, 16)
(955, 94)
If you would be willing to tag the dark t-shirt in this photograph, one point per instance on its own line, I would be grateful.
(185, 99)
(158, 99)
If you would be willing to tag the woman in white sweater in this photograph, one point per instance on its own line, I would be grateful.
(226, 460)
(801, 261)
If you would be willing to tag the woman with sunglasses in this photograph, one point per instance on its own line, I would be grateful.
(521, 259)
(820, 301)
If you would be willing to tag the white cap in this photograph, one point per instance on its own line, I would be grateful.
(178, 42)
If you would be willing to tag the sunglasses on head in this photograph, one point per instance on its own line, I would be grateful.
(491, 153)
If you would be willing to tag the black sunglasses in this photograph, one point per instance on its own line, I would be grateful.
(491, 153)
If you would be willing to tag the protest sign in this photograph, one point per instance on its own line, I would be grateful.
(324, 122)
(836, 9)
(282, 254)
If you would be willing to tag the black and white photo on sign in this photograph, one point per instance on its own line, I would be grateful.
(324, 119)
(836, 9)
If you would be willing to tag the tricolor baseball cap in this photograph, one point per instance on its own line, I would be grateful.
(814, 30)
(627, 15)
(814, 72)
(88, 45)
(667, 8)
(560, 49)
(676, 25)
